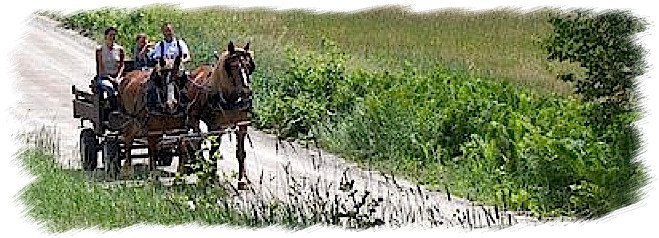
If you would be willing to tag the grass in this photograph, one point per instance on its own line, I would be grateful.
(63, 199)
(449, 131)
(450, 100)
(497, 43)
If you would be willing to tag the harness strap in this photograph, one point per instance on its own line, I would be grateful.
(178, 45)
(198, 85)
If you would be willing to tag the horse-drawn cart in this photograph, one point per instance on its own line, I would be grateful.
(109, 134)
(103, 134)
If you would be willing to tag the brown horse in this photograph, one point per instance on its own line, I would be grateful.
(140, 123)
(225, 98)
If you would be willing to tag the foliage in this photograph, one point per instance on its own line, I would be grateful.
(307, 93)
(604, 45)
(486, 138)
(63, 199)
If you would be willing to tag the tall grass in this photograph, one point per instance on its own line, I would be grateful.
(497, 43)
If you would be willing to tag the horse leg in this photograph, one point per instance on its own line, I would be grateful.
(183, 156)
(152, 153)
(210, 124)
(194, 123)
(128, 163)
(194, 146)
(240, 155)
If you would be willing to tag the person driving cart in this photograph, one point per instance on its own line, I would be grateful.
(169, 48)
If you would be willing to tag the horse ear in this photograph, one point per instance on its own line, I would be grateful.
(162, 62)
(232, 48)
(246, 48)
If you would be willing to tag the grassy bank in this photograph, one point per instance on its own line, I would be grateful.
(384, 87)
(63, 200)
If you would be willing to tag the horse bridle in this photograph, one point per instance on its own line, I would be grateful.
(205, 88)
(241, 67)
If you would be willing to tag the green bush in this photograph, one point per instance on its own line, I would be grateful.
(310, 91)
(605, 46)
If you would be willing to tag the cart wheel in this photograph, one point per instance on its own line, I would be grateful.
(111, 160)
(88, 145)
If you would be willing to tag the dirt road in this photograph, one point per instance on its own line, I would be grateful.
(51, 59)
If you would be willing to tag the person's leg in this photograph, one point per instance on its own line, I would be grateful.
(144, 62)
(138, 64)
(108, 86)
(103, 86)
(104, 92)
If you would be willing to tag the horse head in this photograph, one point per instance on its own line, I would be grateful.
(165, 73)
(236, 66)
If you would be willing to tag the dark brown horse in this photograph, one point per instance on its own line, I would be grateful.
(224, 99)
(132, 95)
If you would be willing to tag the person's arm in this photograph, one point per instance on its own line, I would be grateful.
(99, 62)
(186, 52)
(155, 53)
(121, 64)
(150, 55)
(144, 50)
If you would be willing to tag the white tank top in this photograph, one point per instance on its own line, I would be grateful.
(110, 59)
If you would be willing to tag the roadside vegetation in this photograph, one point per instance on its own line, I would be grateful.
(466, 103)
(63, 200)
